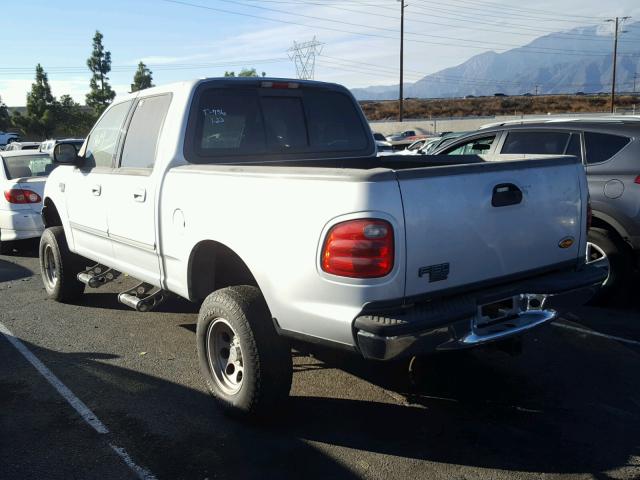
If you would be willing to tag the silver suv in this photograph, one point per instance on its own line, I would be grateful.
(610, 151)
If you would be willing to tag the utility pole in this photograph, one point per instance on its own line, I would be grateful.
(401, 100)
(537, 90)
(617, 21)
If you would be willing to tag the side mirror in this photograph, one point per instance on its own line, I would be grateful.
(65, 153)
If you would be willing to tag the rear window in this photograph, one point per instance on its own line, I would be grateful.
(602, 146)
(231, 123)
(25, 166)
(541, 143)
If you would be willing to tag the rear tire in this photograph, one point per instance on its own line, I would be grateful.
(246, 365)
(620, 266)
(59, 266)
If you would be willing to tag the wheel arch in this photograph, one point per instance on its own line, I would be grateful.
(50, 215)
(212, 266)
(608, 223)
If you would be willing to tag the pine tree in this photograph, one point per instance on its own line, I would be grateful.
(101, 93)
(142, 78)
(40, 117)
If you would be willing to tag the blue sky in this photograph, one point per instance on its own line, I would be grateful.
(180, 39)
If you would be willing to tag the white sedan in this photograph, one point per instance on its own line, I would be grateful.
(23, 174)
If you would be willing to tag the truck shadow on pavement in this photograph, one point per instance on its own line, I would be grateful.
(10, 271)
(562, 407)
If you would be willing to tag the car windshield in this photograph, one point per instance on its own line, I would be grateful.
(25, 166)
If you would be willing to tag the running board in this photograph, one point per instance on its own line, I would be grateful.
(98, 275)
(143, 297)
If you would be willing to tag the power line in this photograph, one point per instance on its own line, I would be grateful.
(536, 50)
(369, 12)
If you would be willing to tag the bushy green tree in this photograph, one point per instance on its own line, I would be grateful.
(39, 120)
(142, 78)
(101, 94)
(72, 120)
(5, 119)
(245, 72)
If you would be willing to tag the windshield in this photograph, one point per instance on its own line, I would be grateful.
(25, 166)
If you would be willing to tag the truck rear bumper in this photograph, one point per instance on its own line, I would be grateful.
(461, 321)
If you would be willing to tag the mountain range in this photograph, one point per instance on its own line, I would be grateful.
(577, 60)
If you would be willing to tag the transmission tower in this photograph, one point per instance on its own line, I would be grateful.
(304, 56)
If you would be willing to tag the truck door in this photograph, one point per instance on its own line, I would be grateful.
(132, 191)
(86, 189)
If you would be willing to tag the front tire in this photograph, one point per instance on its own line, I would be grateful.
(246, 365)
(59, 266)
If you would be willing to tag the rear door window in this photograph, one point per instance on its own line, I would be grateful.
(602, 146)
(144, 129)
(540, 143)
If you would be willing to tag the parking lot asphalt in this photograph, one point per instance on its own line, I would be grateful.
(567, 407)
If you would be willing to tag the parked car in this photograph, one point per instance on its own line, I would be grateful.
(401, 136)
(402, 140)
(444, 139)
(263, 201)
(22, 146)
(609, 149)
(383, 147)
(22, 178)
(48, 145)
(7, 138)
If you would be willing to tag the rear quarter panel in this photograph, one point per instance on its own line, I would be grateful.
(275, 220)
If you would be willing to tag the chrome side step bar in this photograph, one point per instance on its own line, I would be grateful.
(98, 275)
(143, 297)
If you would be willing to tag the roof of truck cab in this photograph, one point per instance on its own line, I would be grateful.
(188, 85)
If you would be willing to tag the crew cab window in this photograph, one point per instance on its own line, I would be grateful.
(236, 122)
(602, 146)
(103, 140)
(476, 146)
(144, 129)
(543, 143)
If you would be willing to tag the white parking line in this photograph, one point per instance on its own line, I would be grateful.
(596, 334)
(79, 406)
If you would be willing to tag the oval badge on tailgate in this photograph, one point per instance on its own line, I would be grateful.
(566, 242)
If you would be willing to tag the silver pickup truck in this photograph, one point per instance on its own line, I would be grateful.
(263, 200)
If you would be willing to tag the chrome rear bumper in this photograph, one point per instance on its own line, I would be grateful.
(456, 323)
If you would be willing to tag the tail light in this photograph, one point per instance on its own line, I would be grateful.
(637, 180)
(359, 249)
(19, 195)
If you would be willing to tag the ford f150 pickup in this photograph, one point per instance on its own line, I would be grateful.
(264, 201)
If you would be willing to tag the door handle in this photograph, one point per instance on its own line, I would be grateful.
(140, 195)
(506, 194)
(96, 190)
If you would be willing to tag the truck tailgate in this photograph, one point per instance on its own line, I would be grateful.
(474, 223)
